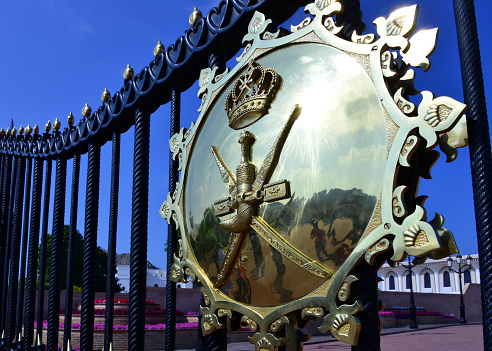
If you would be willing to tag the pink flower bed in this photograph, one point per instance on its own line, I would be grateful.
(159, 326)
(124, 311)
(386, 314)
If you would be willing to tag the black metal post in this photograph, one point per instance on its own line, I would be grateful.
(67, 329)
(172, 240)
(366, 291)
(459, 272)
(15, 249)
(138, 255)
(90, 247)
(4, 230)
(25, 232)
(462, 304)
(56, 254)
(113, 224)
(42, 248)
(480, 151)
(33, 254)
(413, 313)
(8, 246)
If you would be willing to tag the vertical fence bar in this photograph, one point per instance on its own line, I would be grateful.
(33, 254)
(9, 240)
(90, 246)
(15, 248)
(42, 248)
(56, 254)
(4, 219)
(138, 254)
(25, 232)
(113, 223)
(71, 238)
(480, 153)
(172, 240)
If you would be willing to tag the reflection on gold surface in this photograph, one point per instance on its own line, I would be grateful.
(334, 159)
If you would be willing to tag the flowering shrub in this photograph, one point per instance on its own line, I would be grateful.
(418, 313)
(125, 311)
(405, 308)
(99, 326)
(191, 313)
(386, 314)
(121, 301)
(449, 315)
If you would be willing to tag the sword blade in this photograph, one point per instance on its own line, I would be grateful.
(287, 250)
(231, 257)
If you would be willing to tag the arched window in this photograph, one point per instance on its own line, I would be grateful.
(446, 280)
(427, 281)
(391, 282)
(408, 281)
(156, 285)
(467, 276)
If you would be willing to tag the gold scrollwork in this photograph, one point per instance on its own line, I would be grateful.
(399, 206)
(379, 247)
(403, 104)
(251, 323)
(279, 323)
(408, 149)
(344, 291)
(363, 39)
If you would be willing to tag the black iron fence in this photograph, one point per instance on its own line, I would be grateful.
(25, 155)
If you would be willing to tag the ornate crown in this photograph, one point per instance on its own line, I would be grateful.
(251, 96)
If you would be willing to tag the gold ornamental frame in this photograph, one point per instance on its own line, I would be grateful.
(398, 224)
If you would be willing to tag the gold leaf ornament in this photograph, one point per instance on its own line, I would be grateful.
(398, 26)
(437, 115)
(422, 45)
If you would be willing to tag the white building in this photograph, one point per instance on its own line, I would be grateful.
(155, 278)
(430, 277)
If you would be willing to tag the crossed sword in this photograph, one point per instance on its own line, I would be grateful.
(247, 194)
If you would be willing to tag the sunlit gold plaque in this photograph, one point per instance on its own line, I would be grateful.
(298, 167)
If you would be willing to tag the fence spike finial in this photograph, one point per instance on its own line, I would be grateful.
(47, 127)
(21, 130)
(14, 131)
(36, 129)
(158, 48)
(28, 130)
(195, 16)
(2, 132)
(106, 95)
(56, 125)
(70, 119)
(86, 110)
(128, 73)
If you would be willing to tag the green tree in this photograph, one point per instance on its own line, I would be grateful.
(78, 254)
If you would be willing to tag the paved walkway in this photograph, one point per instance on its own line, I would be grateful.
(427, 337)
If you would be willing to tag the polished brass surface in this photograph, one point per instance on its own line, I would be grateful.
(338, 186)
(14, 131)
(2, 132)
(128, 72)
(21, 130)
(86, 110)
(106, 95)
(327, 160)
(70, 119)
(8, 131)
(195, 16)
(36, 129)
(28, 130)
(47, 127)
(56, 125)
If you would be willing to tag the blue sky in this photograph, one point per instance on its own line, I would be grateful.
(58, 55)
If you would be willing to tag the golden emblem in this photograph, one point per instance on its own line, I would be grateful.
(279, 242)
